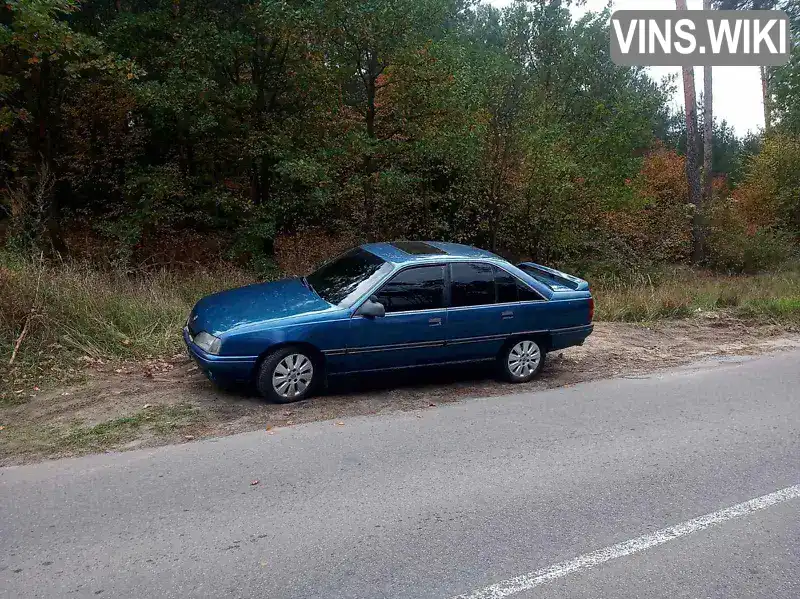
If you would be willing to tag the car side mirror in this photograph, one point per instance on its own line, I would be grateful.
(372, 308)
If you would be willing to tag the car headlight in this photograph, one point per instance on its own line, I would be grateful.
(207, 342)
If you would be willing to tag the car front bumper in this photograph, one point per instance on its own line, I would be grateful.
(220, 368)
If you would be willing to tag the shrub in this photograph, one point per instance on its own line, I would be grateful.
(657, 225)
(770, 195)
(300, 253)
(738, 247)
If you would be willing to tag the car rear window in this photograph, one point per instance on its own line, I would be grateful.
(553, 281)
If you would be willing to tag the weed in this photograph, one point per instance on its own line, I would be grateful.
(77, 437)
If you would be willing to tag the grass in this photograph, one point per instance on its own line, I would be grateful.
(160, 420)
(80, 314)
(682, 292)
(78, 438)
(76, 313)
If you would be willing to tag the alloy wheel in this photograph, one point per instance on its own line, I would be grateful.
(524, 358)
(292, 375)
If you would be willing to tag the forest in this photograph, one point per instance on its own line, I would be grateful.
(237, 140)
(138, 134)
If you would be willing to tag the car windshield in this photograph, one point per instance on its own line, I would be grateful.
(345, 279)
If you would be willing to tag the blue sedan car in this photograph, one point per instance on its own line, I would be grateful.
(385, 306)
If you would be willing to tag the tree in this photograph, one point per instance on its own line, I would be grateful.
(561, 128)
(692, 163)
(246, 124)
(43, 63)
(367, 40)
(785, 80)
(770, 195)
(708, 127)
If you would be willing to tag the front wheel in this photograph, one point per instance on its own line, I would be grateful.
(521, 360)
(286, 375)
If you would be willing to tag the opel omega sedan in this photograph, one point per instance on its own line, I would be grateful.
(385, 306)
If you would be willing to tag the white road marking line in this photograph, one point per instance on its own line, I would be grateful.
(530, 580)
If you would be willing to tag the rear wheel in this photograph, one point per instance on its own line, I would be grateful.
(287, 375)
(521, 360)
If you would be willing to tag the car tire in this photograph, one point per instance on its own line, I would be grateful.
(521, 360)
(288, 374)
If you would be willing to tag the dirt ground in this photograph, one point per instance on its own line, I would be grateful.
(122, 406)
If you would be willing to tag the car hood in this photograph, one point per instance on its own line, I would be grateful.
(235, 308)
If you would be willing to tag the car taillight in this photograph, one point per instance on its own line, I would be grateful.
(591, 309)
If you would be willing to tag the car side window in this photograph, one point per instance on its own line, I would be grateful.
(507, 286)
(471, 284)
(511, 289)
(419, 288)
(528, 295)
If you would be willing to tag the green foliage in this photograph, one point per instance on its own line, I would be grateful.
(730, 153)
(130, 123)
(770, 194)
(784, 82)
(736, 250)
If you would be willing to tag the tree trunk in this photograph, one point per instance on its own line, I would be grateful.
(371, 85)
(708, 128)
(766, 98)
(370, 164)
(47, 209)
(692, 162)
(255, 183)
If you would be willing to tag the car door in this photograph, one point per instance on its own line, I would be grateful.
(484, 310)
(412, 333)
(531, 309)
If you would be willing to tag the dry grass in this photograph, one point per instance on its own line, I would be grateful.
(681, 292)
(79, 314)
(82, 315)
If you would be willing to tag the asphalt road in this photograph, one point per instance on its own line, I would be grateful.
(437, 503)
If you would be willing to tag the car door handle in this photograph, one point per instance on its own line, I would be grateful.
(507, 314)
(435, 322)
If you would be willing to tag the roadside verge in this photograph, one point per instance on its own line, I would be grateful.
(140, 404)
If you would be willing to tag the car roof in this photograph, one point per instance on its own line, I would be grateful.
(401, 252)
